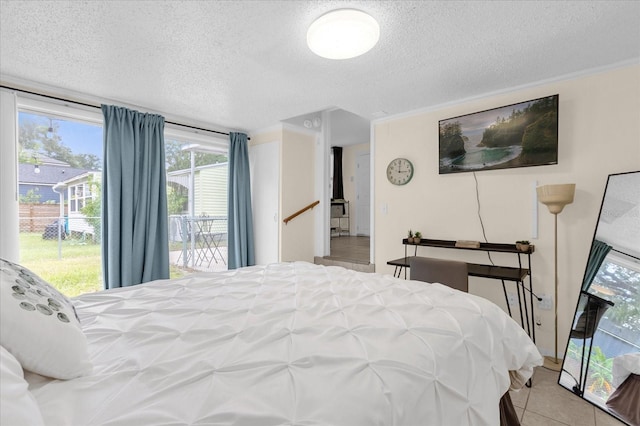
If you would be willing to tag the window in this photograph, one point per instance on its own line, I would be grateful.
(59, 179)
(197, 204)
(59, 160)
(80, 195)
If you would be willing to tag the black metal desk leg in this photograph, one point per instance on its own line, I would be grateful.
(520, 304)
(506, 297)
(526, 310)
(533, 318)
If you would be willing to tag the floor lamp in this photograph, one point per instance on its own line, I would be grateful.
(555, 197)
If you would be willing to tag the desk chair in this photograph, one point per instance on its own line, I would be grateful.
(448, 272)
(456, 275)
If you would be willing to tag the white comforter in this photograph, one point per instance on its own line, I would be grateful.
(290, 344)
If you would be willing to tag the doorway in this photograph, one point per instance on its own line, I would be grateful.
(337, 127)
(352, 134)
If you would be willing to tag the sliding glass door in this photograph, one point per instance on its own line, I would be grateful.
(59, 170)
(197, 177)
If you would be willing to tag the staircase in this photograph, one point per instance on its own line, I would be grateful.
(345, 263)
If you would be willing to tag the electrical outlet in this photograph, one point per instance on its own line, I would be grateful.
(512, 299)
(546, 304)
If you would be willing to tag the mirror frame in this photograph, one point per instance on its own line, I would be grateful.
(585, 299)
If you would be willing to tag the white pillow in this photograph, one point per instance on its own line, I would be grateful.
(39, 326)
(17, 405)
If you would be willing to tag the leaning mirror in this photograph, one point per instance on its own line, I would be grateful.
(602, 358)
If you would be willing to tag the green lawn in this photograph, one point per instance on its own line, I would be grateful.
(78, 271)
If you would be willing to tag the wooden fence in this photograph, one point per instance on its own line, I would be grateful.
(34, 217)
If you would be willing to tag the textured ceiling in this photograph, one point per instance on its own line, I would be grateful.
(244, 65)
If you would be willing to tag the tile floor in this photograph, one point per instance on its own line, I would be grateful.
(348, 248)
(548, 404)
(355, 249)
(348, 252)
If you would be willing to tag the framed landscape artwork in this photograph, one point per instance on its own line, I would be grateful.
(518, 135)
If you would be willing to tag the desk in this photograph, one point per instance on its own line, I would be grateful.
(502, 273)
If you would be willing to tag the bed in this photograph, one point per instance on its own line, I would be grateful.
(282, 344)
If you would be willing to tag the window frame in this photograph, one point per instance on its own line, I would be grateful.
(70, 110)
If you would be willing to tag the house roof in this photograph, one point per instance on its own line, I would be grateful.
(245, 65)
(49, 175)
(40, 158)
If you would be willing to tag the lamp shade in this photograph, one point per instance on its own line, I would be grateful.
(555, 197)
(343, 34)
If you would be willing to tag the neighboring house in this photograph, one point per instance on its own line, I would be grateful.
(210, 188)
(210, 192)
(79, 190)
(36, 182)
(42, 178)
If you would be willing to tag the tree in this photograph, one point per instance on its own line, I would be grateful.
(30, 136)
(176, 200)
(31, 197)
(88, 161)
(177, 159)
(93, 207)
(449, 130)
(35, 138)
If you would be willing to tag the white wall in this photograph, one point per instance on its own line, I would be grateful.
(349, 154)
(599, 134)
(264, 161)
(266, 233)
(297, 190)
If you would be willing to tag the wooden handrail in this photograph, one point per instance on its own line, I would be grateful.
(299, 212)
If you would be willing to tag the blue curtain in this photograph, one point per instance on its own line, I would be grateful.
(240, 244)
(598, 253)
(135, 237)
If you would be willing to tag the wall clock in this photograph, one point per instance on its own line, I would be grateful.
(399, 171)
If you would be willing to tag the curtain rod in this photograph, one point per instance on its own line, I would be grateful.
(626, 254)
(98, 107)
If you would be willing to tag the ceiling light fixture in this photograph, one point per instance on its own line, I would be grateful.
(343, 34)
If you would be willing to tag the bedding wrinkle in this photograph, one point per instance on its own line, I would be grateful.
(289, 344)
